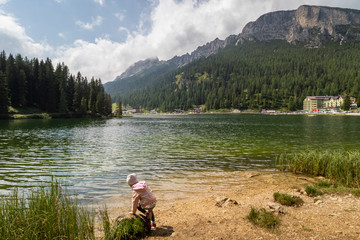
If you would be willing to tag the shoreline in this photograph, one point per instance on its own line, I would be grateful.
(193, 214)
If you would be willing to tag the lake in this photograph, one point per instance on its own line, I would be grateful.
(94, 156)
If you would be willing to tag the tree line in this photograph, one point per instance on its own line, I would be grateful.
(255, 75)
(36, 83)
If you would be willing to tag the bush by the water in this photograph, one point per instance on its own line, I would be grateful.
(263, 218)
(324, 187)
(340, 167)
(128, 228)
(288, 200)
(312, 191)
(48, 213)
(323, 184)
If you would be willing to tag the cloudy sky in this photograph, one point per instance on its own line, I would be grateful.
(101, 38)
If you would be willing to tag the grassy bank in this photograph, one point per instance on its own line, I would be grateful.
(48, 213)
(339, 166)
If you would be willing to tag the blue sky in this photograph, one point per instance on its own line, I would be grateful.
(102, 38)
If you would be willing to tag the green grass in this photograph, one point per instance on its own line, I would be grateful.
(48, 213)
(130, 228)
(356, 192)
(288, 200)
(323, 184)
(263, 218)
(325, 187)
(313, 191)
(340, 167)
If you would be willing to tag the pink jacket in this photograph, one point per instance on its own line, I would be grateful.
(142, 193)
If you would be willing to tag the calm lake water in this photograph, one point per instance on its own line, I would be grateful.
(94, 156)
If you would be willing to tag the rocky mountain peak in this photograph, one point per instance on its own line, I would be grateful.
(308, 23)
(140, 66)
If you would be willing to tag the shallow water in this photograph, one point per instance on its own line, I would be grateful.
(94, 156)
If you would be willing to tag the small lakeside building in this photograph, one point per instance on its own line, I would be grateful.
(315, 103)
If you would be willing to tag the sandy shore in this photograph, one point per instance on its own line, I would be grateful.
(191, 213)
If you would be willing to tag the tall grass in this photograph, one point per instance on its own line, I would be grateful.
(341, 167)
(48, 213)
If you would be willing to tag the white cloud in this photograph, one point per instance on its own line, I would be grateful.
(14, 38)
(120, 16)
(62, 35)
(101, 2)
(123, 29)
(3, 2)
(89, 26)
(177, 27)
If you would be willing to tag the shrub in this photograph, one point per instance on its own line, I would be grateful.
(45, 116)
(49, 213)
(128, 228)
(287, 200)
(323, 184)
(263, 218)
(356, 192)
(313, 191)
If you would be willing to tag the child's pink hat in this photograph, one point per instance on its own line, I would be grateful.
(131, 179)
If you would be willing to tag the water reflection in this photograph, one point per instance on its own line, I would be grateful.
(94, 156)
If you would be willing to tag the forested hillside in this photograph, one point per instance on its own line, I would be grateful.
(255, 75)
(32, 83)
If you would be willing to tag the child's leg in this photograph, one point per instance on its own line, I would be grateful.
(141, 209)
(152, 216)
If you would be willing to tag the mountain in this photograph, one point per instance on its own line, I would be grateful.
(179, 61)
(138, 75)
(309, 26)
(140, 66)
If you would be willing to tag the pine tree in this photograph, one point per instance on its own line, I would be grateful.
(346, 105)
(100, 103)
(92, 97)
(4, 94)
(118, 108)
(3, 61)
(77, 93)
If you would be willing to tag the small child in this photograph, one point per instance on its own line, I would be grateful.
(142, 198)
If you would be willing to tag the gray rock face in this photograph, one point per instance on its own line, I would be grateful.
(203, 51)
(140, 66)
(311, 24)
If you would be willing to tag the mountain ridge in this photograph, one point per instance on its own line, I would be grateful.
(308, 25)
(312, 24)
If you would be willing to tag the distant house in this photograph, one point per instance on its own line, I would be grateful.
(315, 103)
(132, 111)
(270, 111)
(195, 111)
(178, 111)
(154, 111)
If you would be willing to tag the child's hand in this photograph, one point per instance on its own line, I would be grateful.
(131, 213)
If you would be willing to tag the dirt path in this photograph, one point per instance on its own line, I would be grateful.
(197, 217)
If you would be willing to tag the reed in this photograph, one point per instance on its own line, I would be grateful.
(339, 166)
(48, 213)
